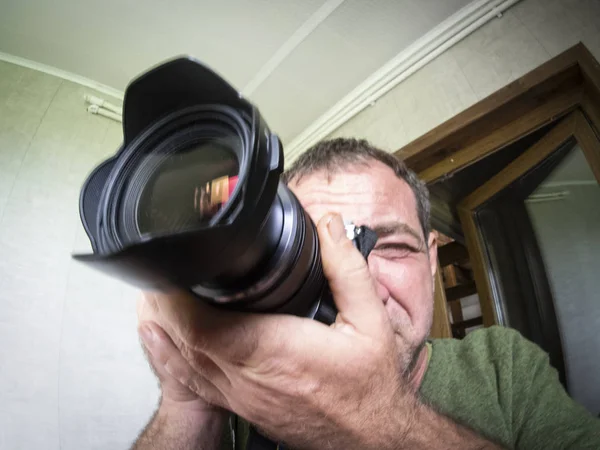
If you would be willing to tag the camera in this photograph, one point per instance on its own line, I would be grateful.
(193, 200)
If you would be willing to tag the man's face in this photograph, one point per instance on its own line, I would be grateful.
(401, 263)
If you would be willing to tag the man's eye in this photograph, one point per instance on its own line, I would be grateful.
(395, 250)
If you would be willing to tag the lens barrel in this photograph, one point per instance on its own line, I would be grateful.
(192, 200)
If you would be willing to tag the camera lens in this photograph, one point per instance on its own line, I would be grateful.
(193, 200)
(188, 188)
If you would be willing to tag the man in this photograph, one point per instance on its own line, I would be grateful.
(371, 380)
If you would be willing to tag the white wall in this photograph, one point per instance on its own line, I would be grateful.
(72, 374)
(529, 34)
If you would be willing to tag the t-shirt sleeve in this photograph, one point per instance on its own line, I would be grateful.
(543, 414)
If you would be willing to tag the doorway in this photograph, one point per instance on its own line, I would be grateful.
(514, 182)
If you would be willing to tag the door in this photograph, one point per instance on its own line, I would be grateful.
(533, 233)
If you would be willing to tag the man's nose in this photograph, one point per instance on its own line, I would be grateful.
(382, 291)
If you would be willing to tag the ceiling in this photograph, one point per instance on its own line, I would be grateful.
(252, 43)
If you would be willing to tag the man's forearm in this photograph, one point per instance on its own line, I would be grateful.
(427, 429)
(173, 429)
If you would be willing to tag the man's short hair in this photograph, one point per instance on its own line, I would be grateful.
(330, 156)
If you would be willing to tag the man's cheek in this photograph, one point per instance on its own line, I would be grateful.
(409, 285)
(400, 277)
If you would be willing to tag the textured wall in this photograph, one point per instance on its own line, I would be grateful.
(529, 34)
(72, 374)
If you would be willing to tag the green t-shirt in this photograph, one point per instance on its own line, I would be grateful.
(502, 386)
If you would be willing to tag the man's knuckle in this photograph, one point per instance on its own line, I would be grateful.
(171, 368)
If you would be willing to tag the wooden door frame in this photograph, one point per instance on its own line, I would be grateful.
(573, 126)
(566, 83)
(440, 327)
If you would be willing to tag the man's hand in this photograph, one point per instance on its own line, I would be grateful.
(183, 420)
(165, 359)
(300, 381)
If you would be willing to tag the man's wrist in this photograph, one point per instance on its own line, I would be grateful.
(403, 422)
(183, 426)
(196, 419)
(424, 428)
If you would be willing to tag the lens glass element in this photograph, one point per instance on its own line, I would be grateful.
(188, 188)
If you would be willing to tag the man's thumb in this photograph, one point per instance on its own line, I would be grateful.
(349, 277)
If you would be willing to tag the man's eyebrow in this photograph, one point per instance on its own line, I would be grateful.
(392, 228)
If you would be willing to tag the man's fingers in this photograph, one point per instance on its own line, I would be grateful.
(193, 325)
(225, 336)
(349, 278)
(146, 309)
(172, 368)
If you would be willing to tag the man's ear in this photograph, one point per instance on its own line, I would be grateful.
(432, 248)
